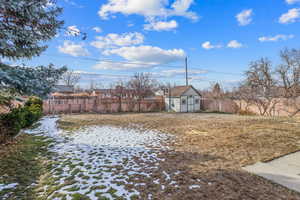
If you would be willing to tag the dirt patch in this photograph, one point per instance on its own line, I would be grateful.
(211, 149)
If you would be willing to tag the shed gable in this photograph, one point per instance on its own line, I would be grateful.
(191, 92)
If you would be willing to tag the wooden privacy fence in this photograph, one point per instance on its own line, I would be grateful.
(67, 105)
(219, 105)
(280, 108)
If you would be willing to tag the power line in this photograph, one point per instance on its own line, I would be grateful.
(147, 64)
(129, 76)
(113, 61)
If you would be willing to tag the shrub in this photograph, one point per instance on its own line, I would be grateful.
(32, 114)
(13, 121)
(21, 117)
(34, 101)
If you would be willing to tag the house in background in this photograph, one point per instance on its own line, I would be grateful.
(182, 99)
(118, 91)
(62, 90)
(122, 92)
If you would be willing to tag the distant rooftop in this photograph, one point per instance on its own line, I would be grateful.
(63, 89)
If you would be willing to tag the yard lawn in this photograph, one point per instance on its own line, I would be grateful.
(213, 148)
(146, 156)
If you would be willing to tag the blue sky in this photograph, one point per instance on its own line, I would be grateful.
(219, 37)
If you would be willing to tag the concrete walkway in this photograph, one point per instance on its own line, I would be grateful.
(284, 171)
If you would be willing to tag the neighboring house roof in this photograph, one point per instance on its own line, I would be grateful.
(180, 90)
(116, 91)
(80, 94)
(63, 89)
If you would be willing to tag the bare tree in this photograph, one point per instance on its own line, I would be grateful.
(261, 86)
(242, 94)
(95, 85)
(289, 73)
(143, 85)
(216, 95)
(121, 89)
(70, 78)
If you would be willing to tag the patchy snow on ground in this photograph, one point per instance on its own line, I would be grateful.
(194, 186)
(118, 137)
(9, 186)
(103, 161)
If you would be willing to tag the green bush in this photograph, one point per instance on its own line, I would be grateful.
(32, 113)
(22, 117)
(34, 101)
(13, 121)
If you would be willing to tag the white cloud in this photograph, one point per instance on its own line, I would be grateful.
(73, 49)
(161, 25)
(292, 1)
(148, 54)
(149, 9)
(72, 31)
(176, 72)
(141, 57)
(290, 17)
(120, 65)
(181, 8)
(97, 29)
(245, 17)
(207, 45)
(234, 44)
(73, 3)
(89, 76)
(275, 38)
(114, 40)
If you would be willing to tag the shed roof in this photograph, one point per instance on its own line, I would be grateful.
(180, 90)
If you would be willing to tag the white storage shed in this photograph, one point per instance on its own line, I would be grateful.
(183, 99)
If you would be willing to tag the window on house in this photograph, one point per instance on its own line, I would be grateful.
(183, 102)
(197, 101)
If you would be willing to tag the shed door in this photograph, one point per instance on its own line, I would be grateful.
(183, 104)
(191, 104)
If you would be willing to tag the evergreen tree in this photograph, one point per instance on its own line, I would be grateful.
(25, 24)
(29, 81)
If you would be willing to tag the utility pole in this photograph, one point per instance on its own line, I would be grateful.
(169, 93)
(186, 72)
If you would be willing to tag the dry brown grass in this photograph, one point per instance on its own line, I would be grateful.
(214, 147)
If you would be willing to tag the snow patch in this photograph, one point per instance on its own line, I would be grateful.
(194, 187)
(103, 159)
(8, 186)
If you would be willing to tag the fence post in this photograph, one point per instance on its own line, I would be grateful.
(120, 104)
(95, 105)
(49, 107)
